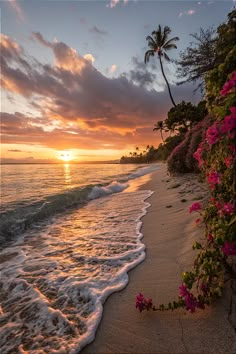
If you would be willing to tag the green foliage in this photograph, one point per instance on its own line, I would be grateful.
(211, 58)
(184, 116)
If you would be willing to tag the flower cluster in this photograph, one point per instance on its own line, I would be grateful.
(143, 304)
(195, 207)
(229, 85)
(213, 134)
(191, 302)
(229, 249)
(216, 157)
(213, 178)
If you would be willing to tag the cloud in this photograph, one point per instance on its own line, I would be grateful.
(113, 68)
(113, 3)
(98, 31)
(89, 57)
(187, 13)
(18, 10)
(16, 150)
(76, 105)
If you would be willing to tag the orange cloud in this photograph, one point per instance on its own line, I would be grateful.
(77, 106)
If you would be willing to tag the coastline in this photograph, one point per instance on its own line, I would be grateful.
(169, 232)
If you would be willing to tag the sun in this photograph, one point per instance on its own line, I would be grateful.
(65, 156)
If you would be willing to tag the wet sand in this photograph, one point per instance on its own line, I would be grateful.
(169, 232)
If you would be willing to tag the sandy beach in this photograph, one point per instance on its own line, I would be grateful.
(169, 232)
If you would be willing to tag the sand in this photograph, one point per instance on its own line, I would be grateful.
(169, 232)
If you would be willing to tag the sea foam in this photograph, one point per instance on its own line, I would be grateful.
(56, 279)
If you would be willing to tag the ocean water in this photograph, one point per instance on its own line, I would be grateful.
(69, 235)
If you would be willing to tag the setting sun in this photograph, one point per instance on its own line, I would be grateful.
(65, 156)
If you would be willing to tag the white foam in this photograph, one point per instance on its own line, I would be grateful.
(114, 187)
(64, 273)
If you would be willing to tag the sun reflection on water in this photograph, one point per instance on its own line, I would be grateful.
(67, 173)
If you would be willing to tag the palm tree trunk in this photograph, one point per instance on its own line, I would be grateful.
(162, 135)
(167, 83)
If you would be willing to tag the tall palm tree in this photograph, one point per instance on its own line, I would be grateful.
(159, 44)
(159, 126)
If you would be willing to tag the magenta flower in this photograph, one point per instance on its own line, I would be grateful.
(183, 291)
(229, 123)
(214, 178)
(232, 148)
(228, 208)
(198, 154)
(228, 160)
(229, 85)
(142, 303)
(210, 238)
(190, 302)
(195, 207)
(229, 249)
(212, 134)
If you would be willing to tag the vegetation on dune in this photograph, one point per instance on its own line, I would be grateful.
(205, 142)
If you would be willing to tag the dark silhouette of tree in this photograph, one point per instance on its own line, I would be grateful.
(159, 44)
(198, 59)
(159, 126)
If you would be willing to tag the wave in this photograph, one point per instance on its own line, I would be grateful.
(15, 222)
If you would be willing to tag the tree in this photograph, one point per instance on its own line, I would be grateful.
(207, 53)
(159, 126)
(184, 116)
(198, 59)
(159, 44)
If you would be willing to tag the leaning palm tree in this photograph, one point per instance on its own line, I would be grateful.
(159, 44)
(159, 126)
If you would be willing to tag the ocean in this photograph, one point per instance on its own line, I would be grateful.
(69, 235)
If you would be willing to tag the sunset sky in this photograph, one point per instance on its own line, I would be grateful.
(74, 84)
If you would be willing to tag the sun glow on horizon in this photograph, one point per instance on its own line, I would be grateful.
(65, 156)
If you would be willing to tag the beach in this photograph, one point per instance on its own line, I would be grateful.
(169, 231)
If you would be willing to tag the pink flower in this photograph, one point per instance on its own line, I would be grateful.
(229, 249)
(190, 302)
(228, 160)
(195, 207)
(142, 303)
(232, 148)
(210, 238)
(229, 85)
(228, 208)
(198, 155)
(214, 178)
(183, 290)
(229, 123)
(212, 134)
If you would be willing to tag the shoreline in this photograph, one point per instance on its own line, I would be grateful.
(169, 232)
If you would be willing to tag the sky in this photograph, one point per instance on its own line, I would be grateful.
(74, 85)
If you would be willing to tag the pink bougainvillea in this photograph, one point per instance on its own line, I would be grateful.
(213, 179)
(195, 207)
(229, 85)
(213, 134)
(229, 249)
(228, 208)
(142, 303)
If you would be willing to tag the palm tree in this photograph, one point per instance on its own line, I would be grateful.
(159, 44)
(159, 126)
